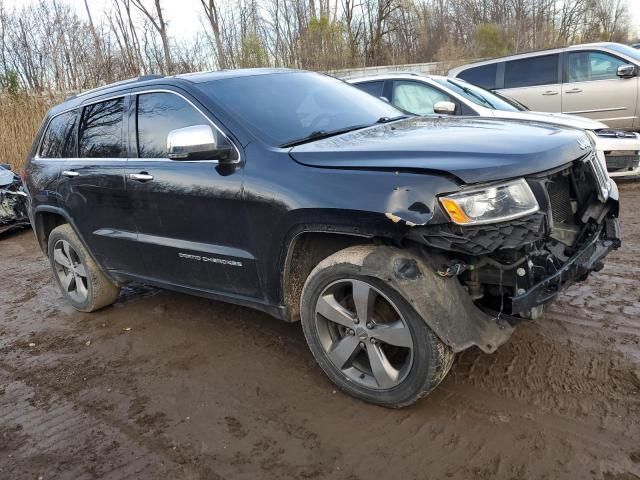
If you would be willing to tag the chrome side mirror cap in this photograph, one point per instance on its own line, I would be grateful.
(444, 108)
(627, 71)
(196, 143)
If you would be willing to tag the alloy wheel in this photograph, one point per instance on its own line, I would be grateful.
(363, 334)
(70, 270)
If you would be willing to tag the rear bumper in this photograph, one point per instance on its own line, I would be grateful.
(577, 268)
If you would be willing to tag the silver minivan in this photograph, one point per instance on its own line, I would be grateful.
(597, 80)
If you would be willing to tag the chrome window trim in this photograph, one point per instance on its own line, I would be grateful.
(159, 159)
(164, 90)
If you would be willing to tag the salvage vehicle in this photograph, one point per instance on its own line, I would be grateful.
(434, 94)
(595, 80)
(396, 240)
(13, 201)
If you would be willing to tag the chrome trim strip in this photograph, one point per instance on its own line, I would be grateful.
(615, 109)
(175, 243)
(131, 94)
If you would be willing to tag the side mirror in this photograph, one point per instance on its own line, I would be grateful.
(444, 108)
(196, 143)
(627, 71)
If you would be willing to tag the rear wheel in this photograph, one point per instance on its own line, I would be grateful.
(367, 338)
(82, 282)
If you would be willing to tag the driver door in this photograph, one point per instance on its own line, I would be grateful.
(191, 222)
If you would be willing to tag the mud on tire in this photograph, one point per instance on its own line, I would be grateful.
(329, 284)
(71, 263)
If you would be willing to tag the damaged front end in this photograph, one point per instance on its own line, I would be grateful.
(517, 266)
(13, 201)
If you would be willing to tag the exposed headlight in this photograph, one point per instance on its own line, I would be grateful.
(495, 203)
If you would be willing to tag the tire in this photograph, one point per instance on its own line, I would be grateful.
(80, 279)
(419, 360)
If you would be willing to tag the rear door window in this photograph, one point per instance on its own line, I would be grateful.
(483, 76)
(158, 114)
(374, 88)
(59, 141)
(101, 130)
(533, 71)
(590, 66)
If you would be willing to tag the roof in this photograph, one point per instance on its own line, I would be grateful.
(150, 80)
(391, 76)
(519, 55)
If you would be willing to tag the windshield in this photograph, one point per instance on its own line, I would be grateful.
(626, 50)
(285, 108)
(477, 95)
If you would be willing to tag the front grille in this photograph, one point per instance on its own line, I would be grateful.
(622, 162)
(559, 191)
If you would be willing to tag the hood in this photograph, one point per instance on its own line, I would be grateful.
(563, 119)
(474, 150)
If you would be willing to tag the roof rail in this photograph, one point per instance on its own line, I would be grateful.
(141, 78)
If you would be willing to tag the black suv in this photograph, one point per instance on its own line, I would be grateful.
(396, 240)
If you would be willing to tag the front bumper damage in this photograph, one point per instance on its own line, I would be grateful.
(512, 269)
(577, 268)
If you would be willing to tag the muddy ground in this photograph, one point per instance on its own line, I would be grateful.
(164, 385)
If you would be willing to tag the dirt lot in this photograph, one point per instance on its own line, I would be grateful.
(163, 385)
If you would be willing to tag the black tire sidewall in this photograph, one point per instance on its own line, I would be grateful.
(424, 373)
(57, 235)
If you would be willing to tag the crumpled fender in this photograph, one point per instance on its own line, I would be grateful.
(442, 302)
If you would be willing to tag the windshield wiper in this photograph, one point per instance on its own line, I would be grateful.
(392, 119)
(320, 134)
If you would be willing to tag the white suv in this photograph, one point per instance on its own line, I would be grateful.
(433, 94)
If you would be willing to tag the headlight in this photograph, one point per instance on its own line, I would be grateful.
(491, 204)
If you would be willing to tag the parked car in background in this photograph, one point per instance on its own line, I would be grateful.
(13, 200)
(396, 240)
(597, 80)
(636, 45)
(433, 94)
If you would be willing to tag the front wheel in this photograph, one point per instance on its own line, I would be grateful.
(367, 338)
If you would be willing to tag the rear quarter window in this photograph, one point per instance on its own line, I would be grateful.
(60, 140)
(372, 88)
(483, 76)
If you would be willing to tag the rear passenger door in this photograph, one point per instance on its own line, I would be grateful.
(592, 88)
(191, 221)
(535, 82)
(92, 188)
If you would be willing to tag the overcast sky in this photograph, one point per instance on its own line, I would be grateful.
(183, 16)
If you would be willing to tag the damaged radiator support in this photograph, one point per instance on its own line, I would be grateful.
(515, 267)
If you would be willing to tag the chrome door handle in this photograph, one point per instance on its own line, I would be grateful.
(573, 90)
(70, 173)
(141, 177)
(550, 92)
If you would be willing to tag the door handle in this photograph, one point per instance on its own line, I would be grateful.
(141, 177)
(550, 92)
(573, 90)
(70, 173)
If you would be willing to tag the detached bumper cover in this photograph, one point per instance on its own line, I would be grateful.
(575, 269)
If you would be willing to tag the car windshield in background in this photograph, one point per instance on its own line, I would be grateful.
(288, 108)
(477, 95)
(626, 50)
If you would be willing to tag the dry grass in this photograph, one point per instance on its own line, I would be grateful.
(20, 117)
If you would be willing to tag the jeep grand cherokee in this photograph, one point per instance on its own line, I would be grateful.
(397, 241)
